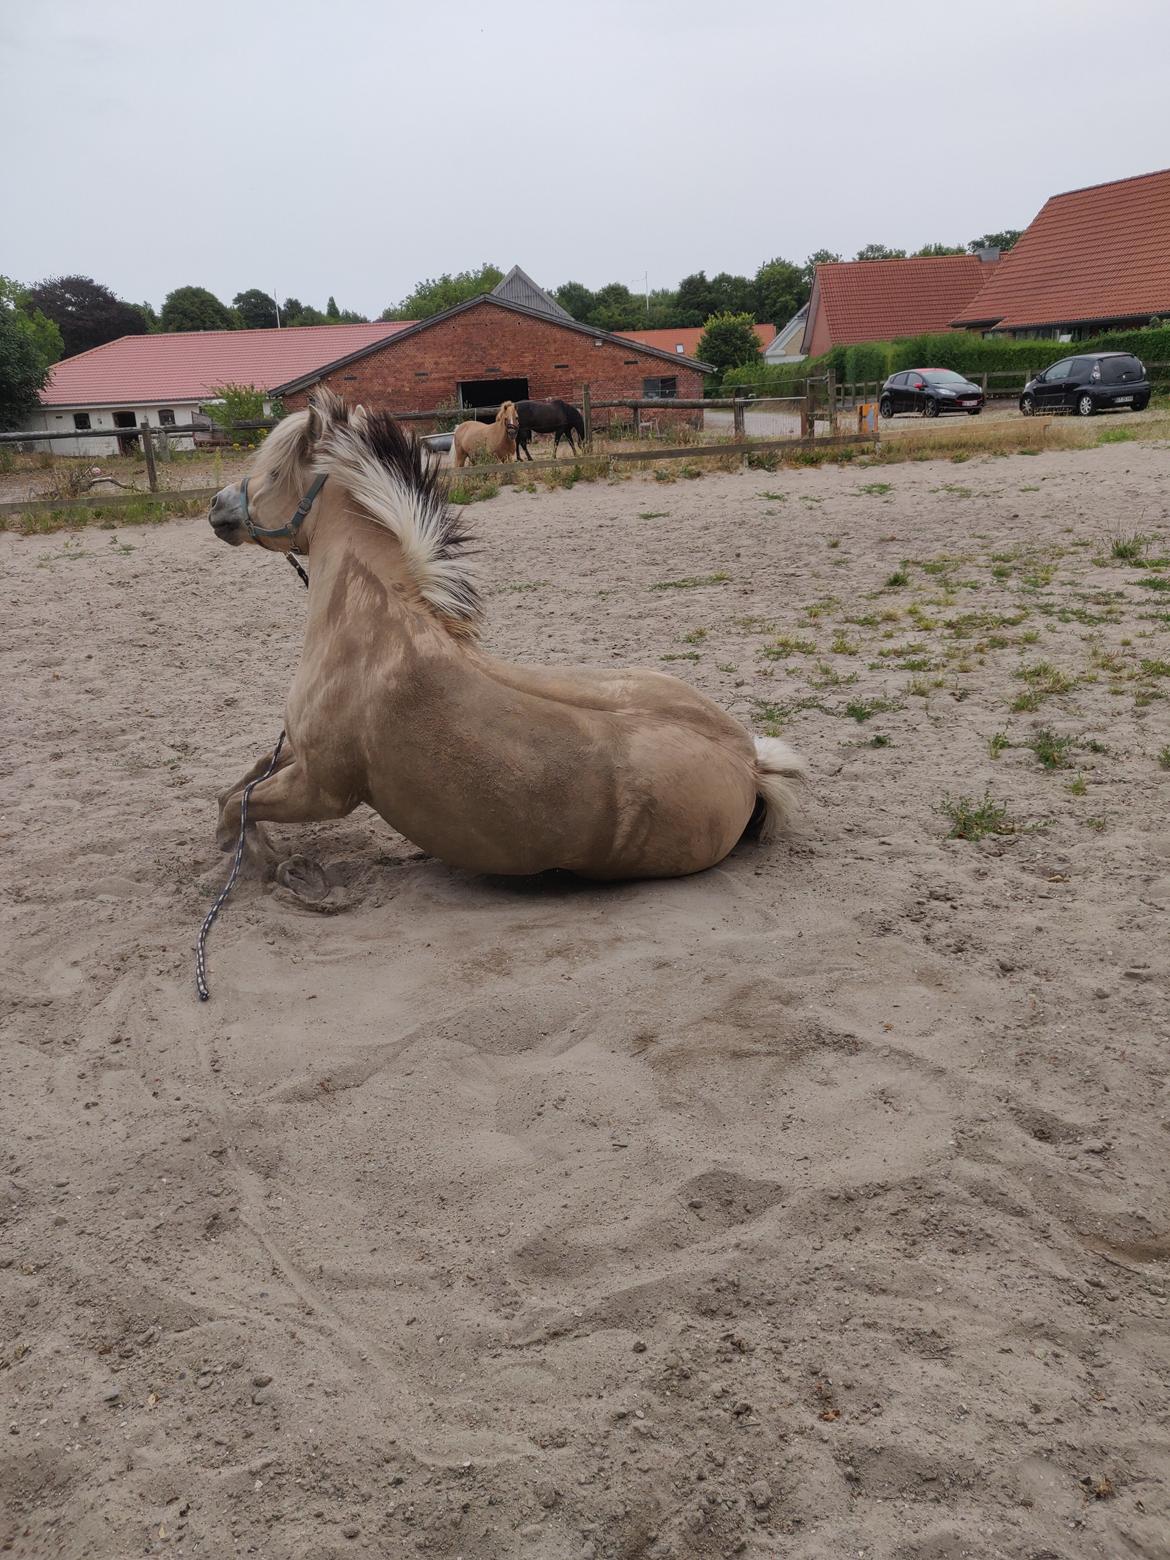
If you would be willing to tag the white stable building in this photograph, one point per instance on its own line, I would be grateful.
(103, 395)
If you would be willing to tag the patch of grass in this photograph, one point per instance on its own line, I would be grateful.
(1050, 750)
(775, 498)
(865, 709)
(785, 645)
(695, 637)
(829, 677)
(1078, 786)
(842, 644)
(1130, 548)
(1155, 668)
(1164, 757)
(653, 514)
(1156, 582)
(996, 742)
(1116, 436)
(526, 585)
(900, 577)
(956, 492)
(877, 489)
(1096, 824)
(879, 741)
(832, 541)
(681, 655)
(972, 818)
(816, 609)
(471, 491)
(1044, 681)
(692, 582)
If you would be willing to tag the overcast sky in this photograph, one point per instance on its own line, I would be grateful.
(358, 146)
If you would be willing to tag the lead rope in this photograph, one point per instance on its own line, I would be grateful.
(209, 919)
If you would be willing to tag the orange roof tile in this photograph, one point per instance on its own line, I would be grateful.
(1101, 253)
(188, 365)
(685, 342)
(881, 300)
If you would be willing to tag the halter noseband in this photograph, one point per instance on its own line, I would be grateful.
(257, 533)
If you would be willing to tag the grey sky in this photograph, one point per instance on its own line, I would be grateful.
(355, 147)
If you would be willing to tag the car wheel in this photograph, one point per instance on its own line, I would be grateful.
(931, 407)
(1085, 406)
(886, 406)
(976, 412)
(1027, 406)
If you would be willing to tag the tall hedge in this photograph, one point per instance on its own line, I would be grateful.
(962, 350)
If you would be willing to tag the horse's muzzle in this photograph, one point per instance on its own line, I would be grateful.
(227, 515)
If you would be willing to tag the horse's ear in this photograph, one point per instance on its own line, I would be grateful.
(325, 409)
(359, 418)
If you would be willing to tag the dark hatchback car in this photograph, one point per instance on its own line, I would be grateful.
(1093, 382)
(929, 391)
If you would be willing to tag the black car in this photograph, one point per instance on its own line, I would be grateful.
(1087, 384)
(930, 391)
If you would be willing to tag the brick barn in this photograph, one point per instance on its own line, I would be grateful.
(495, 348)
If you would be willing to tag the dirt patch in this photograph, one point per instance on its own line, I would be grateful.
(814, 1206)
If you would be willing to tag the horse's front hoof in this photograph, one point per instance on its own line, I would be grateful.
(303, 877)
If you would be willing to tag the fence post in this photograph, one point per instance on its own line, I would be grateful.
(587, 415)
(808, 429)
(148, 451)
(737, 417)
(984, 382)
(636, 425)
(831, 388)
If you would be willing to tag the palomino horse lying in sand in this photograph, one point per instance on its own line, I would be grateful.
(491, 767)
(498, 438)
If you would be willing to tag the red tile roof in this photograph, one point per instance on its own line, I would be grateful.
(881, 300)
(188, 365)
(687, 338)
(1101, 253)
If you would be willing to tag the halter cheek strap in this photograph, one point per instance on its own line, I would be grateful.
(290, 529)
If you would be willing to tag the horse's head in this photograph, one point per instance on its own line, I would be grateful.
(270, 505)
(508, 415)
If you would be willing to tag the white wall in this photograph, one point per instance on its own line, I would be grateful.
(49, 420)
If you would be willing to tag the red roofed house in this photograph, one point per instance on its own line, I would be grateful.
(164, 379)
(882, 300)
(685, 341)
(1094, 259)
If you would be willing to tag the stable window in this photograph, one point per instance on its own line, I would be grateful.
(166, 417)
(81, 421)
(659, 389)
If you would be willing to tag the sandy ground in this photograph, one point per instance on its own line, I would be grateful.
(814, 1207)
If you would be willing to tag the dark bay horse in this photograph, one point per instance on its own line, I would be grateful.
(555, 417)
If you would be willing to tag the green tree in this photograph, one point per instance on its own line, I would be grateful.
(820, 257)
(86, 313)
(194, 308)
(257, 311)
(294, 312)
(44, 333)
(576, 299)
(663, 309)
(150, 315)
(729, 341)
(780, 289)
(1001, 241)
(24, 365)
(332, 312)
(879, 252)
(232, 404)
(696, 300)
(443, 292)
(615, 308)
(929, 250)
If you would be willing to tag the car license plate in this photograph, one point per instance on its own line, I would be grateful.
(1119, 399)
(972, 403)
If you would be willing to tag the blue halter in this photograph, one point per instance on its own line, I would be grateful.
(257, 533)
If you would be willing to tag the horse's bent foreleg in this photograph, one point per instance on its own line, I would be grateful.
(291, 795)
(257, 769)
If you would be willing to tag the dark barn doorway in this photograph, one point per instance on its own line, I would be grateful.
(126, 420)
(491, 392)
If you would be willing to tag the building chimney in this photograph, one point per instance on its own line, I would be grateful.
(988, 256)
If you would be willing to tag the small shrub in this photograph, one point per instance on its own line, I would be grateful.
(996, 742)
(1164, 757)
(900, 577)
(1129, 548)
(1078, 787)
(1052, 751)
(972, 818)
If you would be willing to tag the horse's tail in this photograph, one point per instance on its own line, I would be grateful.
(780, 772)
